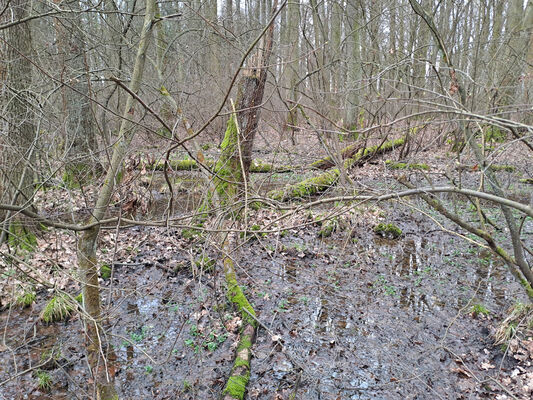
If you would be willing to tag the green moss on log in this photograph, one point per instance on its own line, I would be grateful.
(506, 168)
(388, 230)
(235, 294)
(354, 156)
(236, 386)
(401, 165)
(307, 187)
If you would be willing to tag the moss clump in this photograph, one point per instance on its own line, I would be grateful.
(388, 230)
(228, 168)
(26, 299)
(190, 233)
(105, 271)
(236, 385)
(259, 166)
(205, 264)
(400, 165)
(251, 235)
(506, 168)
(21, 237)
(328, 227)
(79, 298)
(57, 309)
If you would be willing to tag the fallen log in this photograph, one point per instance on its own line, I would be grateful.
(257, 166)
(322, 182)
(357, 154)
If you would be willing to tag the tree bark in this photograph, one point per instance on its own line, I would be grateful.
(17, 180)
(97, 349)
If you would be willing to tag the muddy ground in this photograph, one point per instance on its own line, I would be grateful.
(350, 316)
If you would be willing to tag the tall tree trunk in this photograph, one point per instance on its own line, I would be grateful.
(78, 120)
(354, 66)
(293, 25)
(231, 183)
(97, 349)
(17, 176)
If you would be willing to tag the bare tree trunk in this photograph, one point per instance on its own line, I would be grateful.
(97, 349)
(80, 142)
(17, 174)
(354, 67)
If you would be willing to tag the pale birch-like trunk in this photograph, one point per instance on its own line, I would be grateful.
(97, 349)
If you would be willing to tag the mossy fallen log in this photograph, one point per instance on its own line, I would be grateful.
(401, 165)
(322, 182)
(240, 372)
(492, 167)
(357, 155)
(257, 166)
(307, 187)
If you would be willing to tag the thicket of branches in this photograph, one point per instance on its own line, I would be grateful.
(83, 80)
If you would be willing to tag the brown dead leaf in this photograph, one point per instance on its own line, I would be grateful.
(461, 372)
(486, 366)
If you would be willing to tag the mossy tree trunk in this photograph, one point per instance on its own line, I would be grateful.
(231, 182)
(97, 350)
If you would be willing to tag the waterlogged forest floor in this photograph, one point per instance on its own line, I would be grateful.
(351, 315)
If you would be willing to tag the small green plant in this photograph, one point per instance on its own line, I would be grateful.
(282, 305)
(388, 230)
(44, 381)
(148, 369)
(57, 309)
(519, 318)
(138, 337)
(79, 298)
(26, 299)
(479, 309)
(205, 146)
(382, 284)
(105, 271)
(186, 386)
(194, 330)
(328, 227)
(205, 263)
(51, 354)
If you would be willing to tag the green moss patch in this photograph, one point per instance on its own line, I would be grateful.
(388, 230)
(105, 271)
(307, 187)
(400, 165)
